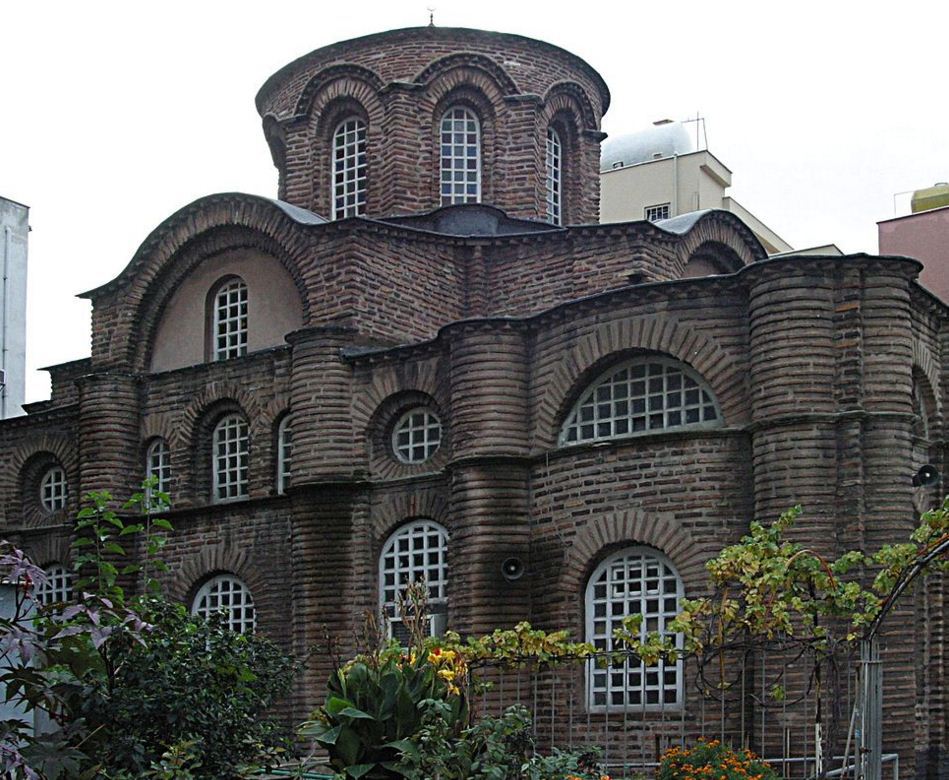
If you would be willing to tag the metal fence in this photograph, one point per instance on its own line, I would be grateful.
(779, 701)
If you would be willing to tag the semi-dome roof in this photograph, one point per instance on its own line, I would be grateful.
(663, 140)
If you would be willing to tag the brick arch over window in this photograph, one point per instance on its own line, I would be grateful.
(924, 362)
(396, 510)
(618, 338)
(37, 454)
(389, 380)
(345, 80)
(198, 567)
(724, 229)
(49, 548)
(570, 97)
(712, 257)
(206, 227)
(607, 533)
(469, 61)
(378, 433)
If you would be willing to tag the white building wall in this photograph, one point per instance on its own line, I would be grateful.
(14, 232)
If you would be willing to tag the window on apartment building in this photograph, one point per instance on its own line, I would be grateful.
(640, 396)
(284, 453)
(349, 168)
(58, 586)
(417, 435)
(157, 464)
(460, 140)
(228, 595)
(554, 177)
(229, 328)
(230, 443)
(416, 552)
(657, 212)
(54, 489)
(633, 581)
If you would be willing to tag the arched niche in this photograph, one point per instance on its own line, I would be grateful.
(273, 308)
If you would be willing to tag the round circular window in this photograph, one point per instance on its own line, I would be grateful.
(416, 435)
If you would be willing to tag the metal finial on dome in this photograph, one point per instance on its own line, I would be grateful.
(431, 16)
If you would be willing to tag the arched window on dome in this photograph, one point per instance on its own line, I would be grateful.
(554, 177)
(643, 395)
(348, 194)
(228, 595)
(634, 581)
(460, 139)
(229, 459)
(415, 552)
(229, 319)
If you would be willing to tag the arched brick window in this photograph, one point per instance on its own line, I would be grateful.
(229, 458)
(554, 177)
(639, 396)
(54, 489)
(415, 552)
(227, 594)
(229, 319)
(157, 464)
(348, 194)
(460, 144)
(633, 581)
(58, 586)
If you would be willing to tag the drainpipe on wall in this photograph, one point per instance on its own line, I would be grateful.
(675, 185)
(7, 232)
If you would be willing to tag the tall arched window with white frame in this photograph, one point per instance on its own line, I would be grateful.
(554, 177)
(417, 552)
(643, 395)
(460, 153)
(634, 581)
(229, 326)
(229, 596)
(157, 465)
(284, 453)
(230, 455)
(349, 168)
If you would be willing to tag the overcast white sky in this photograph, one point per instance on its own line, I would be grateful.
(116, 114)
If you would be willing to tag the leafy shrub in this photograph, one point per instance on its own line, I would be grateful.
(712, 759)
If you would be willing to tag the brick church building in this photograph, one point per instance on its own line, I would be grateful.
(426, 359)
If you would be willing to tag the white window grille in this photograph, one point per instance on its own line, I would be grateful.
(230, 456)
(641, 396)
(460, 157)
(554, 177)
(634, 581)
(54, 490)
(58, 586)
(657, 212)
(230, 320)
(228, 594)
(417, 435)
(284, 453)
(349, 168)
(416, 552)
(157, 465)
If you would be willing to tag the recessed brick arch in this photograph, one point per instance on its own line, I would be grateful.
(720, 227)
(395, 510)
(49, 548)
(923, 361)
(387, 381)
(211, 559)
(161, 426)
(26, 465)
(608, 533)
(570, 96)
(437, 69)
(355, 81)
(204, 228)
(617, 338)
(214, 394)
